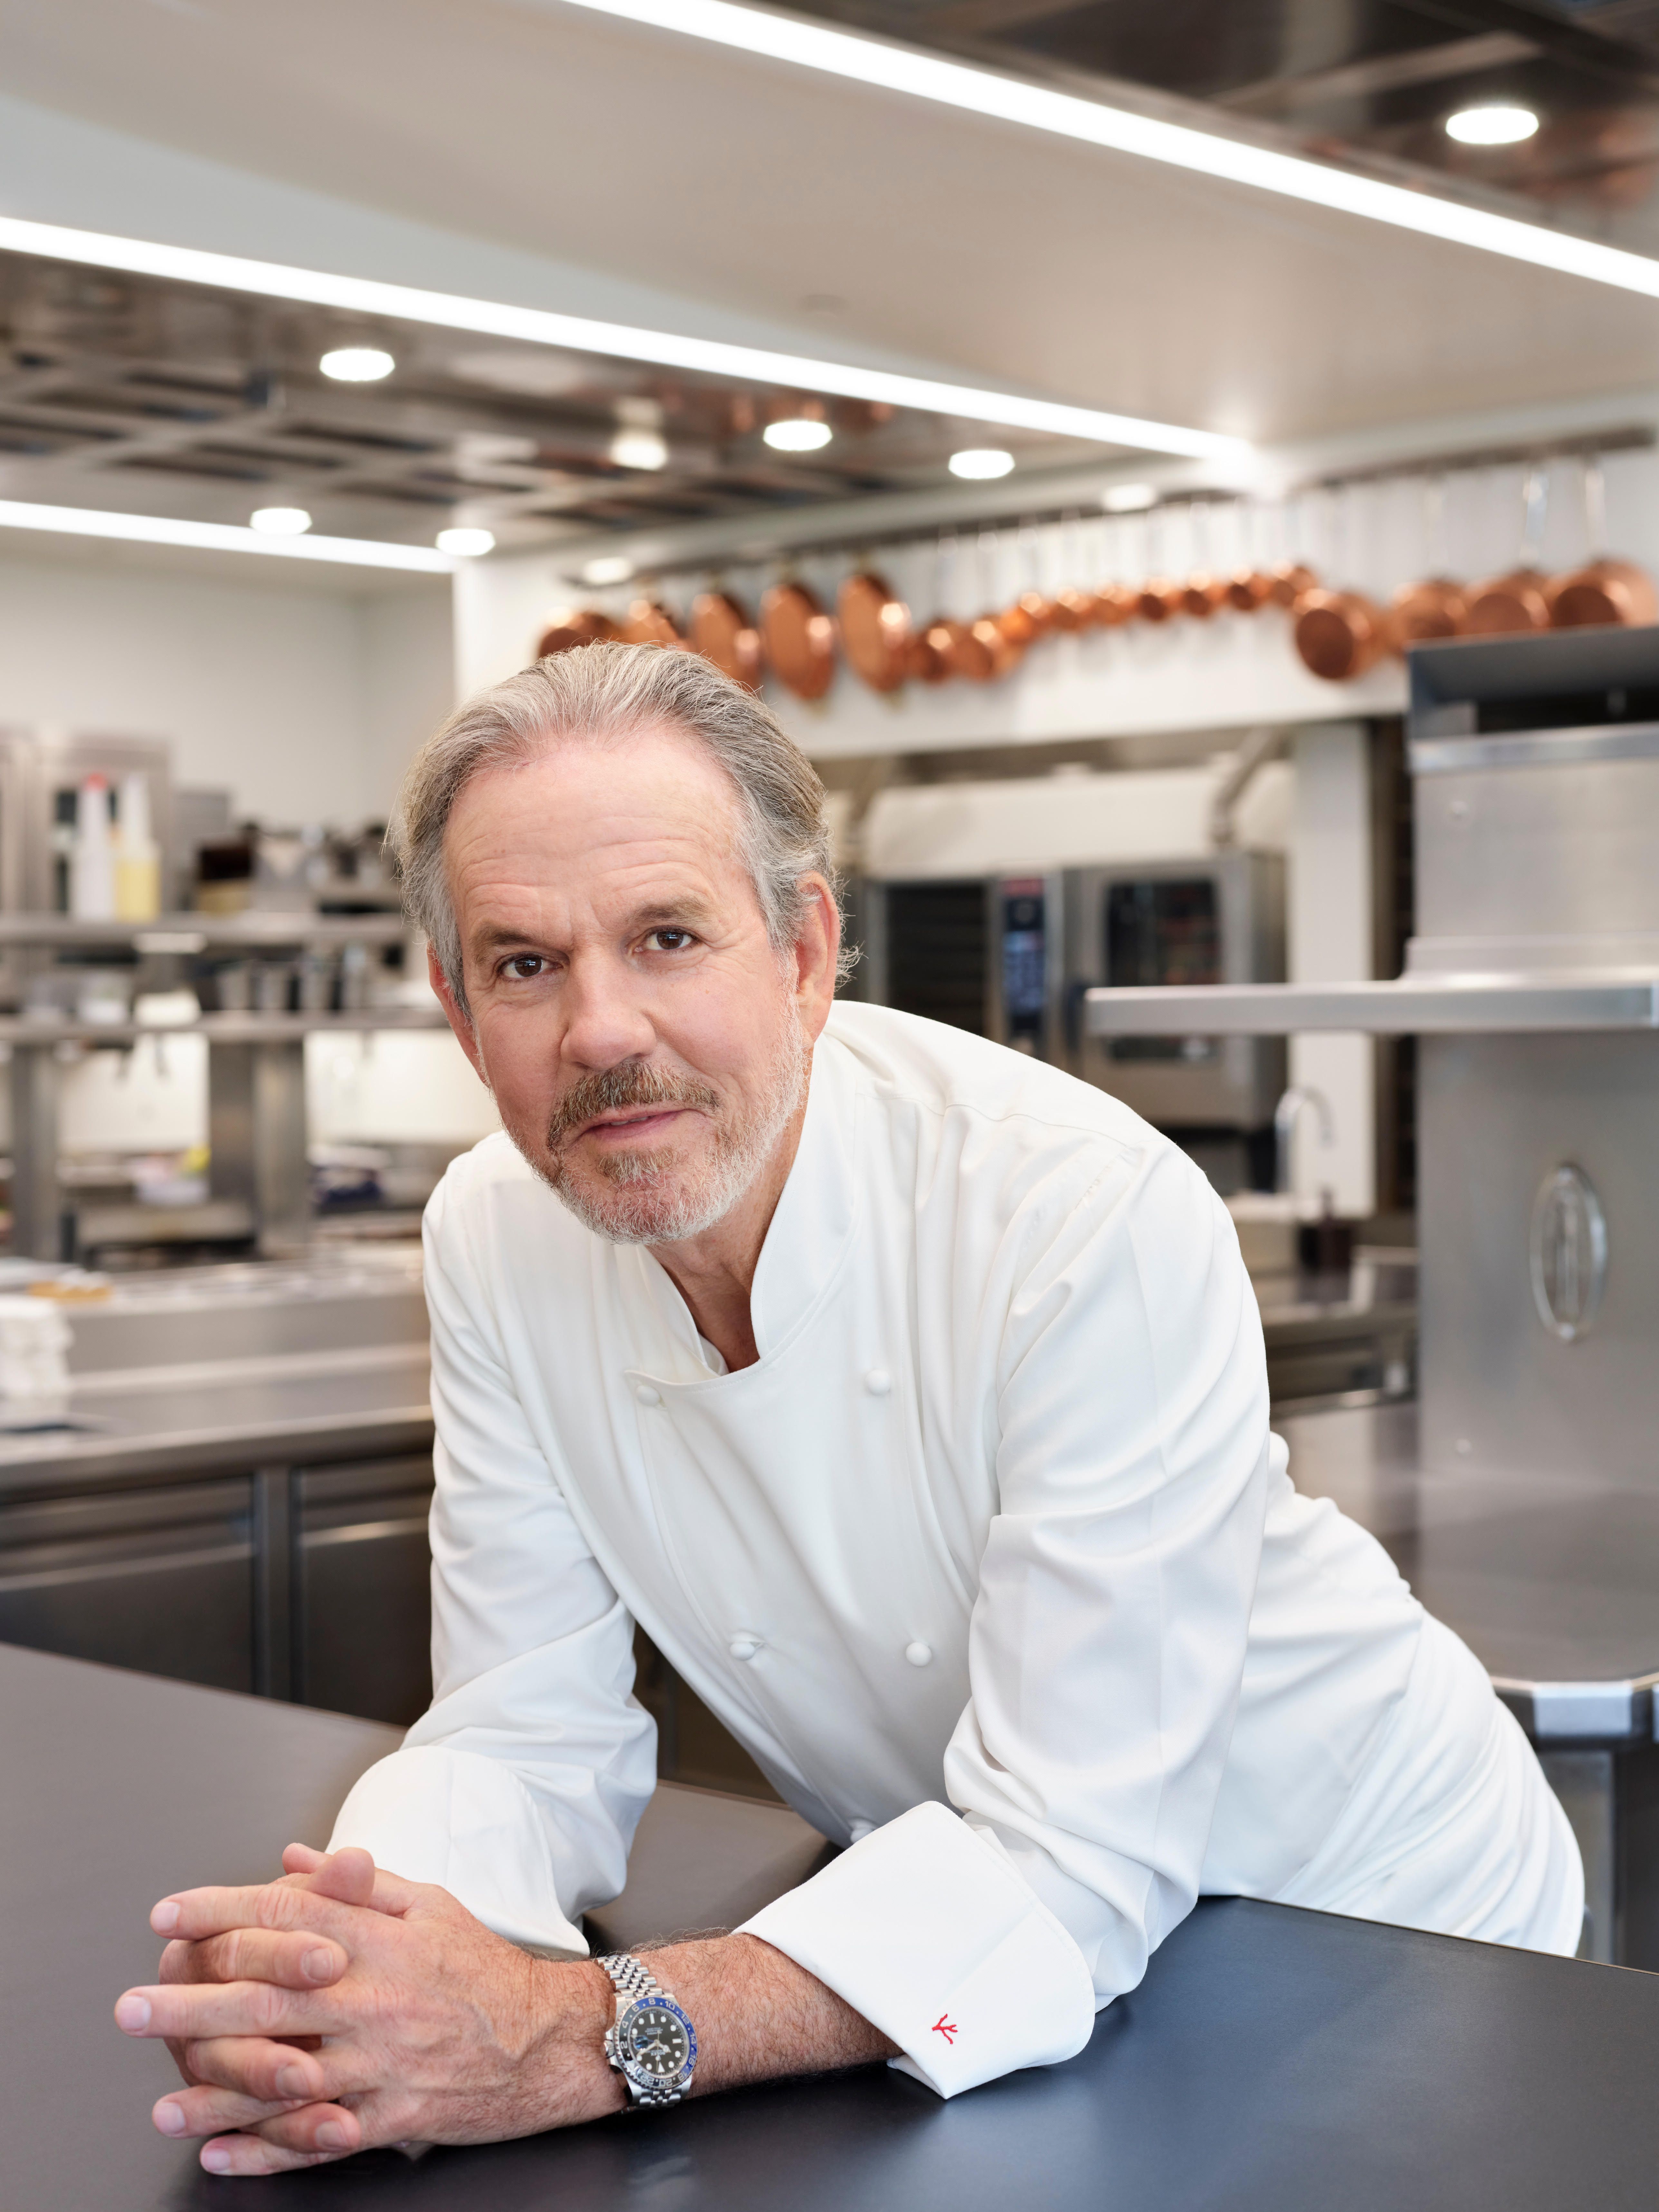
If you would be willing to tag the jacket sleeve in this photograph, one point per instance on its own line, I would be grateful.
(1106, 1651)
(521, 1788)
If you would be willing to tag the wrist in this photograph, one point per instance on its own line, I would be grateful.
(574, 2005)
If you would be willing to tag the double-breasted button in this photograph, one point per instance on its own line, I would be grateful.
(646, 1395)
(744, 1645)
(919, 1654)
(878, 1382)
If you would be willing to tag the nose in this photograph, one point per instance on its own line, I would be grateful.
(605, 1018)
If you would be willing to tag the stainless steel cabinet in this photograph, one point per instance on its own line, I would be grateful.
(362, 1610)
(161, 1579)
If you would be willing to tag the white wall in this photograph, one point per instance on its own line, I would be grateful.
(304, 701)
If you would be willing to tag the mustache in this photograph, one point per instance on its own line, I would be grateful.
(630, 1083)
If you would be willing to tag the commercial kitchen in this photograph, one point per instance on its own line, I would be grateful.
(1188, 481)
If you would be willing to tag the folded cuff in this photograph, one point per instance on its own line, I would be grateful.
(925, 1928)
(468, 1824)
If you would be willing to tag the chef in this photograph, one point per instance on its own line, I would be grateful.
(911, 1395)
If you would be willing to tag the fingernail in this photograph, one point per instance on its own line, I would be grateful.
(170, 2118)
(165, 1918)
(293, 2081)
(132, 2012)
(318, 1965)
(215, 2160)
(330, 2135)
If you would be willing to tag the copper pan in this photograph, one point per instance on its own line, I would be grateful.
(1290, 583)
(1602, 594)
(1201, 594)
(1508, 606)
(575, 626)
(1072, 610)
(1030, 617)
(1340, 634)
(924, 661)
(875, 630)
(649, 623)
(1000, 657)
(1158, 597)
(1114, 604)
(1248, 589)
(799, 640)
(722, 632)
(1418, 612)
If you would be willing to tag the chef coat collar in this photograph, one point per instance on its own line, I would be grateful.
(805, 1240)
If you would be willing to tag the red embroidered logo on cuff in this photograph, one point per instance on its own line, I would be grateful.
(947, 2028)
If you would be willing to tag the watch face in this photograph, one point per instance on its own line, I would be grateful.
(656, 2043)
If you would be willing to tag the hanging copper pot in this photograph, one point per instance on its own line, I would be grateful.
(1418, 612)
(1158, 597)
(1201, 594)
(875, 630)
(576, 626)
(1340, 634)
(925, 662)
(649, 623)
(1248, 589)
(1030, 617)
(1000, 657)
(722, 632)
(799, 640)
(1072, 610)
(1290, 584)
(1114, 604)
(1602, 594)
(1509, 604)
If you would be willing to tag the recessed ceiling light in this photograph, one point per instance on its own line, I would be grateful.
(797, 433)
(1491, 126)
(279, 521)
(217, 537)
(1128, 499)
(469, 543)
(981, 463)
(357, 364)
(610, 569)
(639, 449)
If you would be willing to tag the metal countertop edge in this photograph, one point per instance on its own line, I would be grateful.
(1584, 1716)
(217, 1451)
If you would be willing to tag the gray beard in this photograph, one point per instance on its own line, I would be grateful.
(637, 1209)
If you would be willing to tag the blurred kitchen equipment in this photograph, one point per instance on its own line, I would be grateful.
(1604, 591)
(649, 623)
(1072, 607)
(92, 865)
(137, 855)
(1512, 604)
(799, 638)
(1252, 586)
(1295, 1101)
(875, 630)
(1436, 607)
(1031, 615)
(1339, 634)
(1158, 597)
(574, 627)
(722, 632)
(35, 1337)
(1203, 591)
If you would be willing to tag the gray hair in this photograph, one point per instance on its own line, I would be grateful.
(610, 690)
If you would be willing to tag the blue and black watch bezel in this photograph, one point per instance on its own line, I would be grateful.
(639, 2076)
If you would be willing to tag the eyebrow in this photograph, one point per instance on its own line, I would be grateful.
(660, 913)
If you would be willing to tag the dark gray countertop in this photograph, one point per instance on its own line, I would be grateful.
(1274, 2061)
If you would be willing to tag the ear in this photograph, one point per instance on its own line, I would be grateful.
(459, 1020)
(817, 947)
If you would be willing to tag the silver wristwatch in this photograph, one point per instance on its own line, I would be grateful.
(653, 2046)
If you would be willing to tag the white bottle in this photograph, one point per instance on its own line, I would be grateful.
(91, 863)
(137, 856)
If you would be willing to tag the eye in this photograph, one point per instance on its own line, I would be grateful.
(523, 967)
(668, 940)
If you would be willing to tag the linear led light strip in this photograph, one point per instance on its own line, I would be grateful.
(980, 92)
(220, 537)
(363, 295)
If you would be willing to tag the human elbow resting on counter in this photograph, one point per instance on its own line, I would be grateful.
(912, 1395)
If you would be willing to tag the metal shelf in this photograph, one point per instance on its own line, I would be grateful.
(19, 1030)
(253, 932)
(1493, 1004)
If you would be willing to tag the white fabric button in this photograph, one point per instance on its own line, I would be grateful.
(744, 1646)
(646, 1395)
(878, 1382)
(919, 1655)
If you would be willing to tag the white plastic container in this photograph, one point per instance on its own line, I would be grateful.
(137, 855)
(34, 1345)
(92, 862)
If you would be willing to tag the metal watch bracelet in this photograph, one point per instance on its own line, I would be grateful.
(634, 1984)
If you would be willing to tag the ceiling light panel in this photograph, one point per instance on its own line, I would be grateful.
(1011, 100)
(219, 538)
(797, 433)
(356, 364)
(1491, 126)
(367, 296)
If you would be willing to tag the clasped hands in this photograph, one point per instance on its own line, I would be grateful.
(342, 2007)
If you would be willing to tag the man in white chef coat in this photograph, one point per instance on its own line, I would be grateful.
(912, 1395)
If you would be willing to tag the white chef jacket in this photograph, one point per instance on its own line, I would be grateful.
(990, 1561)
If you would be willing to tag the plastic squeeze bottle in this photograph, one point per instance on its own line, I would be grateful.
(92, 861)
(137, 856)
